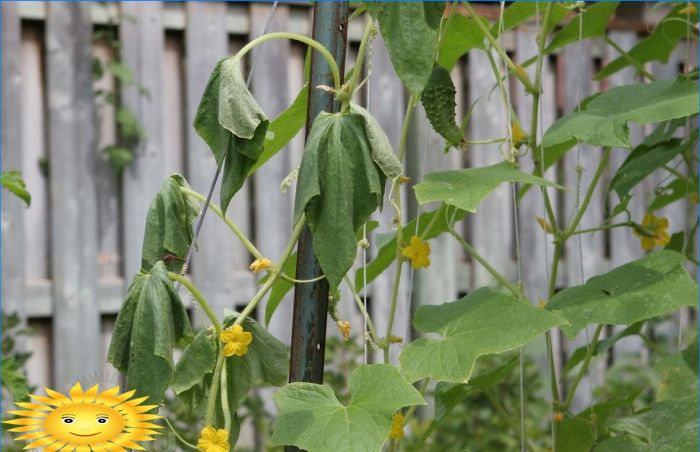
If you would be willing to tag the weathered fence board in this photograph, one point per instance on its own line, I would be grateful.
(76, 321)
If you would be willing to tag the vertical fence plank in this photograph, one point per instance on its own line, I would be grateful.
(387, 103)
(492, 228)
(142, 37)
(273, 209)
(173, 105)
(206, 42)
(12, 207)
(76, 316)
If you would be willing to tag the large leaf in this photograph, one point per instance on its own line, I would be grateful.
(196, 363)
(168, 232)
(284, 127)
(312, 418)
(577, 432)
(643, 161)
(485, 322)
(387, 248)
(231, 122)
(12, 181)
(382, 153)
(338, 187)
(467, 188)
(461, 35)
(653, 286)
(602, 120)
(660, 43)
(151, 321)
(409, 40)
(679, 374)
(594, 21)
(668, 426)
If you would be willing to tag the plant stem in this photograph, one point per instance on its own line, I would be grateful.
(628, 57)
(301, 281)
(301, 38)
(352, 83)
(177, 435)
(520, 74)
(234, 228)
(224, 399)
(432, 222)
(584, 368)
(276, 272)
(361, 307)
(602, 228)
(211, 403)
(489, 141)
(199, 297)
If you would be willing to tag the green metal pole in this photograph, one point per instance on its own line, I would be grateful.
(311, 300)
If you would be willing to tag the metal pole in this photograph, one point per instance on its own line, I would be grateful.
(311, 300)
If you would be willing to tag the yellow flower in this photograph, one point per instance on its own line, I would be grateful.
(260, 264)
(558, 417)
(344, 327)
(404, 179)
(541, 303)
(212, 440)
(418, 251)
(517, 134)
(546, 227)
(236, 340)
(690, 9)
(397, 426)
(655, 232)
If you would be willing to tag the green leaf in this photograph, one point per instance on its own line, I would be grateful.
(382, 153)
(232, 124)
(603, 346)
(387, 250)
(311, 417)
(168, 232)
(461, 35)
(577, 432)
(197, 361)
(594, 23)
(283, 128)
(279, 288)
(439, 102)
(338, 187)
(151, 321)
(650, 287)
(464, 327)
(658, 45)
(129, 126)
(265, 363)
(602, 121)
(409, 39)
(668, 426)
(14, 380)
(467, 188)
(119, 157)
(675, 190)
(12, 181)
(642, 162)
(679, 375)
(121, 72)
(433, 12)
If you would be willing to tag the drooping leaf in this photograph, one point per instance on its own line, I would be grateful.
(151, 321)
(382, 153)
(197, 361)
(642, 162)
(284, 127)
(594, 22)
(12, 181)
(279, 288)
(652, 286)
(603, 346)
(168, 231)
(439, 102)
(463, 326)
(338, 187)
(467, 188)
(659, 44)
(387, 249)
(409, 40)
(602, 119)
(265, 363)
(311, 417)
(668, 426)
(14, 380)
(577, 432)
(232, 123)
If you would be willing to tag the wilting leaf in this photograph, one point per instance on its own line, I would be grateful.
(12, 181)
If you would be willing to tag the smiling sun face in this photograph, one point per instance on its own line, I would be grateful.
(87, 420)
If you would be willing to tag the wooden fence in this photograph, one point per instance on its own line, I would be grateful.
(68, 258)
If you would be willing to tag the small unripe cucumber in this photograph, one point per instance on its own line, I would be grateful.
(438, 99)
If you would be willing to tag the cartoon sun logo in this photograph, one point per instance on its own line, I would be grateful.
(85, 421)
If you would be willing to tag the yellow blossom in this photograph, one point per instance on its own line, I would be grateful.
(404, 179)
(260, 264)
(558, 417)
(212, 440)
(546, 227)
(395, 339)
(236, 341)
(690, 9)
(517, 134)
(541, 303)
(344, 327)
(397, 426)
(655, 232)
(417, 251)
